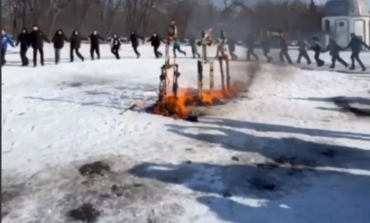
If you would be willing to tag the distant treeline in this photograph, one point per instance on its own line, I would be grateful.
(295, 17)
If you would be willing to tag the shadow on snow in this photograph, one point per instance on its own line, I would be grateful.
(290, 165)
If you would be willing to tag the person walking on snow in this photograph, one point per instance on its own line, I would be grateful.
(58, 40)
(134, 39)
(5, 40)
(250, 47)
(155, 41)
(75, 45)
(231, 42)
(334, 50)
(302, 49)
(284, 50)
(176, 47)
(266, 48)
(317, 49)
(23, 39)
(355, 44)
(194, 46)
(115, 45)
(94, 44)
(37, 38)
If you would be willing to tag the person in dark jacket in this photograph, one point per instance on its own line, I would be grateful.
(334, 50)
(75, 45)
(37, 38)
(284, 50)
(317, 49)
(5, 41)
(94, 44)
(265, 44)
(231, 42)
(250, 47)
(23, 39)
(356, 44)
(303, 46)
(155, 41)
(194, 46)
(134, 39)
(115, 45)
(58, 40)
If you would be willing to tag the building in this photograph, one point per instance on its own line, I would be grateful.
(343, 17)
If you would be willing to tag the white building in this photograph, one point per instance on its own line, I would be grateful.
(343, 17)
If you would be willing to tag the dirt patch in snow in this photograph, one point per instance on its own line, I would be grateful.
(94, 190)
(95, 168)
(85, 213)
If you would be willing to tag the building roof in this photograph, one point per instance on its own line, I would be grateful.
(346, 8)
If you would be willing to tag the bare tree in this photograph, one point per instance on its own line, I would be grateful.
(108, 13)
(83, 7)
(182, 11)
(235, 16)
(138, 12)
(54, 10)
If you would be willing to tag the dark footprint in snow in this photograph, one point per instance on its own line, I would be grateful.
(328, 153)
(73, 84)
(85, 213)
(262, 184)
(96, 168)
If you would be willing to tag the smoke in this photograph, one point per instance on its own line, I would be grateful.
(261, 76)
(252, 71)
(248, 78)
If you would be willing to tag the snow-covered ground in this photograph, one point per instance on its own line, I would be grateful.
(285, 153)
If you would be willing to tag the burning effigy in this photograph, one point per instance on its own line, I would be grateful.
(184, 103)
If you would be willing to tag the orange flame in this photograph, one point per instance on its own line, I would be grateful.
(183, 105)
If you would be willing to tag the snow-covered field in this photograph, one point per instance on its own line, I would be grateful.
(284, 153)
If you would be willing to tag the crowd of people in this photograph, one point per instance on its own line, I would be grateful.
(35, 39)
(355, 45)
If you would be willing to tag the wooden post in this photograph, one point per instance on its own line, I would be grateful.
(176, 75)
(222, 73)
(228, 78)
(162, 87)
(200, 79)
(211, 76)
